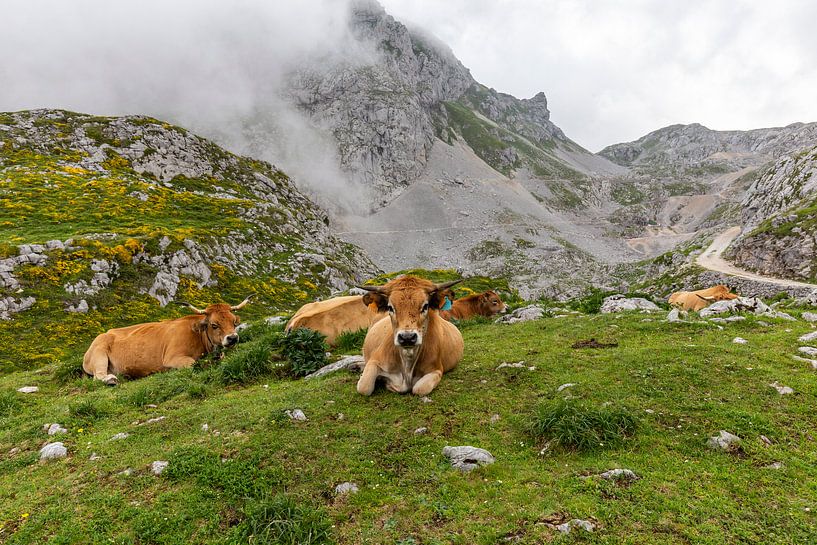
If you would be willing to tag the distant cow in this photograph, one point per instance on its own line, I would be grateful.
(697, 300)
(143, 349)
(413, 346)
(334, 316)
(479, 304)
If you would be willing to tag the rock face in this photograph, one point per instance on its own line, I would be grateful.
(780, 232)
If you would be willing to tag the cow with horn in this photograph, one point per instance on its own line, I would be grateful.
(142, 349)
(412, 346)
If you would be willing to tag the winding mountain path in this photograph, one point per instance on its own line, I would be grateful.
(711, 259)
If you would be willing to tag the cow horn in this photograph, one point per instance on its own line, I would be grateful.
(243, 303)
(445, 285)
(706, 298)
(186, 304)
(375, 289)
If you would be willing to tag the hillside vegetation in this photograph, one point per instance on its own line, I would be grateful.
(240, 470)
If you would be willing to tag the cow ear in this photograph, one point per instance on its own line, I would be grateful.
(377, 299)
(200, 325)
(436, 299)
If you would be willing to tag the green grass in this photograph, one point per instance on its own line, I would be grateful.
(350, 341)
(253, 471)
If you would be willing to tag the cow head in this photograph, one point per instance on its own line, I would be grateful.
(218, 323)
(408, 300)
(491, 304)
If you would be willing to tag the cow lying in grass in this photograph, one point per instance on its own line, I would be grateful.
(700, 299)
(479, 304)
(143, 349)
(335, 316)
(413, 346)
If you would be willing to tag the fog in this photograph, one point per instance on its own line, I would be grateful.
(217, 68)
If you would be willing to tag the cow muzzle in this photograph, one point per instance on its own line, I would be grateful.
(230, 340)
(407, 338)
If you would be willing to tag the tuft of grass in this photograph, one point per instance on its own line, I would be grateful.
(572, 425)
(68, 370)
(8, 402)
(305, 349)
(350, 341)
(197, 390)
(280, 520)
(88, 410)
(247, 363)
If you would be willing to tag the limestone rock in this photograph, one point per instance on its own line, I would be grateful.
(28, 389)
(346, 488)
(524, 314)
(619, 475)
(620, 303)
(296, 415)
(724, 441)
(53, 451)
(467, 458)
(348, 362)
(158, 466)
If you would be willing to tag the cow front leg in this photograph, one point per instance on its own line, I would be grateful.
(368, 379)
(427, 383)
(96, 364)
(179, 362)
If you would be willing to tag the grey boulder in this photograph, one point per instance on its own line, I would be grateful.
(467, 458)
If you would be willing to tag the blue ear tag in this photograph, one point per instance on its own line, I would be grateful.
(447, 305)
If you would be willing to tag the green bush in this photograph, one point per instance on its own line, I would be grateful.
(68, 371)
(280, 520)
(350, 341)
(573, 425)
(305, 349)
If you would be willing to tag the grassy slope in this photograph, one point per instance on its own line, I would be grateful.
(692, 376)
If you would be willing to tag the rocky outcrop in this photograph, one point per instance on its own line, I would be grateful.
(681, 148)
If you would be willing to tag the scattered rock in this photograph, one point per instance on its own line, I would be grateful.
(80, 308)
(119, 436)
(53, 451)
(494, 418)
(158, 466)
(808, 350)
(205, 427)
(151, 406)
(153, 420)
(675, 315)
(13, 451)
(54, 429)
(94, 456)
(809, 316)
(807, 360)
(127, 472)
(346, 488)
(585, 525)
(340, 416)
(516, 365)
(775, 465)
(274, 320)
(28, 389)
(565, 386)
(766, 440)
(421, 431)
(426, 399)
(740, 340)
(782, 390)
(727, 320)
(620, 475)
(348, 362)
(620, 303)
(297, 414)
(808, 337)
(524, 314)
(724, 441)
(467, 458)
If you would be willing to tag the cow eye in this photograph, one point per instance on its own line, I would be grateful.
(391, 309)
(425, 308)
(214, 326)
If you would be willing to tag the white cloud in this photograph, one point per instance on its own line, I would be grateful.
(614, 71)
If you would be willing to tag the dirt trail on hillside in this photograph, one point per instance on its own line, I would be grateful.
(711, 259)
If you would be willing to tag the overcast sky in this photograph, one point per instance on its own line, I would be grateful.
(612, 70)
(616, 70)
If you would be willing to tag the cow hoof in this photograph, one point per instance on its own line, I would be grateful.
(110, 380)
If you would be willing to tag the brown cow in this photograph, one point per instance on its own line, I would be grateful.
(479, 304)
(697, 300)
(413, 346)
(143, 349)
(334, 316)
